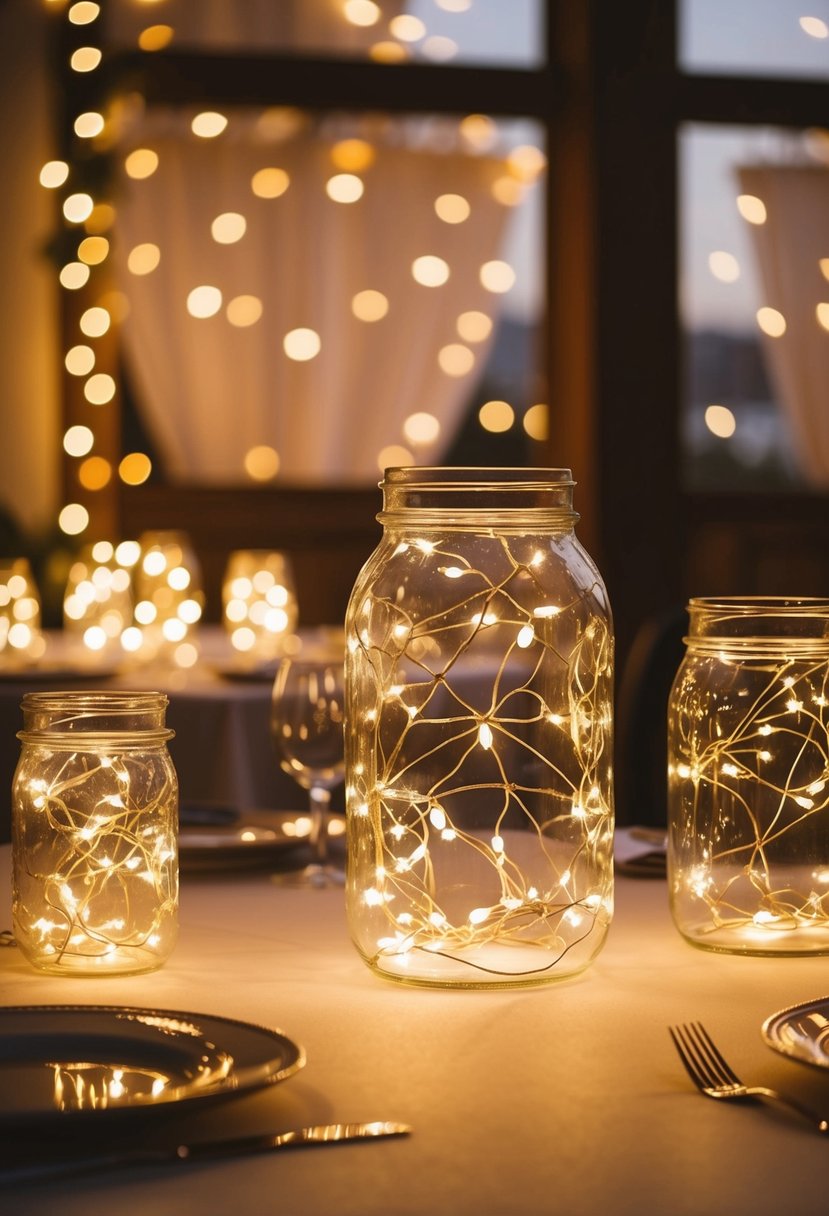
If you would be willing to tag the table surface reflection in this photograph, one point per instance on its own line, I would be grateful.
(567, 1098)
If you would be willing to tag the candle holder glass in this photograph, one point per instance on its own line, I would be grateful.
(94, 834)
(748, 777)
(478, 734)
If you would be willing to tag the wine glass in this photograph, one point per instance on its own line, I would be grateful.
(307, 729)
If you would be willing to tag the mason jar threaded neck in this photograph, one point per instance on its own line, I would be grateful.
(66, 717)
(758, 624)
(445, 495)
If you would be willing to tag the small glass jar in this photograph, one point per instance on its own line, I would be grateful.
(259, 603)
(748, 777)
(479, 689)
(95, 833)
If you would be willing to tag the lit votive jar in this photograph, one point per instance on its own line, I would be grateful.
(21, 639)
(259, 602)
(94, 833)
(169, 598)
(97, 602)
(748, 777)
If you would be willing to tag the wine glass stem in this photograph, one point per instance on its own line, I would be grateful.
(320, 802)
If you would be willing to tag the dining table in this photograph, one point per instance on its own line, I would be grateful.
(565, 1098)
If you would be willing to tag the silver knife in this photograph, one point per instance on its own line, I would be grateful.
(203, 1150)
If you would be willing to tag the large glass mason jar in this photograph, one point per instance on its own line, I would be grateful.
(95, 833)
(479, 674)
(748, 777)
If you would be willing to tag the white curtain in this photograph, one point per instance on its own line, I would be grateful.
(210, 391)
(792, 251)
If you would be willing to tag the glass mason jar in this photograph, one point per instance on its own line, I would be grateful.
(94, 833)
(479, 797)
(748, 777)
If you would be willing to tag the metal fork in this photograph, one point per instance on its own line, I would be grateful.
(714, 1077)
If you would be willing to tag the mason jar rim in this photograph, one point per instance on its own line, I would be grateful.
(470, 475)
(64, 718)
(749, 605)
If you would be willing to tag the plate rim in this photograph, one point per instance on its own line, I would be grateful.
(766, 1030)
(249, 1077)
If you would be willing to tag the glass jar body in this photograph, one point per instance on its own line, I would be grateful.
(95, 834)
(479, 671)
(748, 786)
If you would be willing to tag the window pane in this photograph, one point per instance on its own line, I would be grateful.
(487, 32)
(755, 37)
(754, 299)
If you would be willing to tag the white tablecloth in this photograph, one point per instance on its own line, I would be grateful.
(565, 1099)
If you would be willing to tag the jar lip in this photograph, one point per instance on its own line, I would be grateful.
(750, 605)
(471, 475)
(104, 700)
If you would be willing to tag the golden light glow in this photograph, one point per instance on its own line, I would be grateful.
(101, 218)
(407, 28)
(95, 473)
(85, 59)
(269, 182)
(53, 174)
(751, 208)
(720, 421)
(392, 456)
(141, 163)
(78, 440)
(474, 326)
(84, 12)
(526, 162)
(455, 359)
(302, 344)
(77, 208)
(362, 12)
(99, 389)
(536, 421)
(772, 322)
(814, 27)
(496, 416)
(369, 305)
(724, 266)
(430, 271)
(452, 208)
(135, 468)
(353, 155)
(421, 428)
(228, 228)
(88, 125)
(73, 519)
(388, 52)
(479, 131)
(74, 275)
(508, 191)
(497, 276)
(262, 463)
(204, 301)
(143, 259)
(79, 360)
(93, 250)
(454, 6)
(344, 188)
(824, 267)
(822, 314)
(208, 124)
(244, 310)
(155, 37)
(94, 322)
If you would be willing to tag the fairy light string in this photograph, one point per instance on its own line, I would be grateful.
(529, 739)
(749, 773)
(96, 860)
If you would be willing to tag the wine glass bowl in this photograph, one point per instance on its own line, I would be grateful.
(306, 726)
